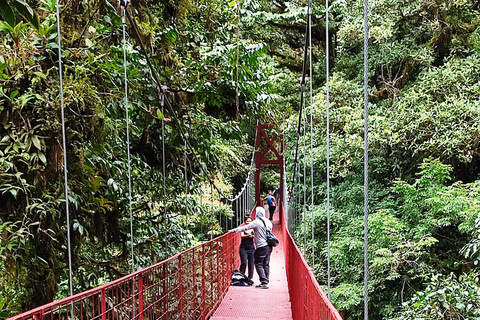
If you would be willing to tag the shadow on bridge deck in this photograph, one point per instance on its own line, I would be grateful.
(255, 303)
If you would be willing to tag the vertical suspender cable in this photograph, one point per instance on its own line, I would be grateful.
(237, 91)
(186, 180)
(64, 138)
(235, 208)
(211, 205)
(311, 132)
(365, 154)
(247, 190)
(128, 133)
(201, 206)
(304, 202)
(327, 85)
(245, 210)
(185, 159)
(304, 161)
(163, 150)
(302, 82)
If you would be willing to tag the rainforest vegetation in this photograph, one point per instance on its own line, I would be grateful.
(424, 141)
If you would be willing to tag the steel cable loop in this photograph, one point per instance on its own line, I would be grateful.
(124, 8)
(327, 87)
(64, 144)
(365, 154)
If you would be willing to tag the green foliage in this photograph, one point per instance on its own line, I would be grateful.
(11, 10)
(406, 228)
(423, 115)
(437, 116)
(445, 297)
(472, 249)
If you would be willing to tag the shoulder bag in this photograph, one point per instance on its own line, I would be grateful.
(271, 238)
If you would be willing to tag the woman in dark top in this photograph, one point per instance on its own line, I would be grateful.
(247, 249)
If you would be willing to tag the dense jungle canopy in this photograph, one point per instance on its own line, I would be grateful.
(424, 93)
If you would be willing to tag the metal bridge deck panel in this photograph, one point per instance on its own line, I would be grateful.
(254, 303)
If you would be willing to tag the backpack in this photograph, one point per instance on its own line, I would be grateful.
(271, 201)
(238, 279)
(271, 238)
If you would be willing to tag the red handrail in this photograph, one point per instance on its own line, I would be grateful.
(177, 288)
(307, 298)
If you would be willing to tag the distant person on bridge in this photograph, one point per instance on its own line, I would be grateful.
(263, 250)
(271, 205)
(276, 193)
(247, 250)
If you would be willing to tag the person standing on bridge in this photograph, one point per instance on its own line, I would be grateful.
(247, 250)
(276, 193)
(263, 250)
(271, 205)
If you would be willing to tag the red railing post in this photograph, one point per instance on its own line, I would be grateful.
(140, 296)
(165, 299)
(108, 301)
(180, 287)
(104, 304)
(38, 316)
(203, 281)
(194, 284)
(218, 272)
(211, 275)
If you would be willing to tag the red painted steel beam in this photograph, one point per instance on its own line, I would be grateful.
(261, 153)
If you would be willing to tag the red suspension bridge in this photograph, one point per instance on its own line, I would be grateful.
(195, 283)
(192, 284)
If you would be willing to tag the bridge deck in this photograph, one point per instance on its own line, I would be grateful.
(254, 303)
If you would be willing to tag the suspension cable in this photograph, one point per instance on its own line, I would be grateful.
(327, 86)
(304, 178)
(311, 134)
(64, 141)
(237, 91)
(124, 5)
(365, 154)
(302, 82)
(163, 147)
(171, 110)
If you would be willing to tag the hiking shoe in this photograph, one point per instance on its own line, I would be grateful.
(262, 286)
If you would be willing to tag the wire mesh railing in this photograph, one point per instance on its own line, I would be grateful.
(308, 301)
(188, 285)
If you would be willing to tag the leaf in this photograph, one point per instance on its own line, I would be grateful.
(13, 192)
(13, 94)
(42, 158)
(7, 13)
(42, 260)
(36, 142)
(23, 7)
(88, 42)
(6, 27)
(160, 115)
(27, 12)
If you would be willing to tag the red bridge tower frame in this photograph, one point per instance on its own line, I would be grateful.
(260, 158)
